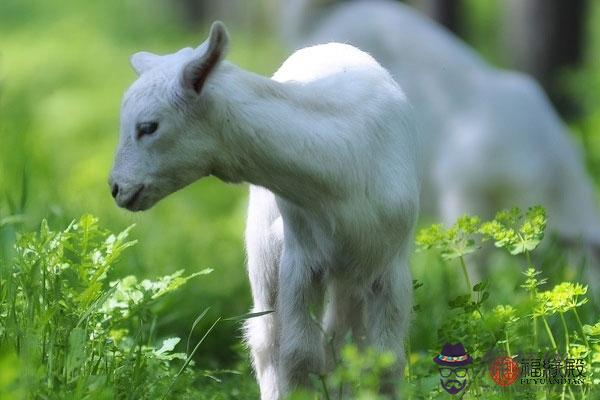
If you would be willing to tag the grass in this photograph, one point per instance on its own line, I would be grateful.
(66, 331)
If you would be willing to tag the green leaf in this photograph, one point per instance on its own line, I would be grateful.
(248, 316)
(76, 355)
(516, 232)
(592, 330)
(460, 301)
(12, 220)
(484, 297)
(481, 286)
(416, 284)
(168, 345)
(170, 283)
(196, 321)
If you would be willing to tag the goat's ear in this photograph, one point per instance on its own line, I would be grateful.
(143, 61)
(196, 71)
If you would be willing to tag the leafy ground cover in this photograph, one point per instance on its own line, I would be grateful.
(68, 331)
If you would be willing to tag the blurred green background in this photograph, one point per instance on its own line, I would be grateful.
(63, 68)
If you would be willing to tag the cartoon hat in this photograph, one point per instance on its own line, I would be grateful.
(453, 355)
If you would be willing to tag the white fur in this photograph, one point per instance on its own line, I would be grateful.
(331, 149)
(492, 139)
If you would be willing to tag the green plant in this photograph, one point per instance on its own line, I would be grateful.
(72, 334)
(512, 329)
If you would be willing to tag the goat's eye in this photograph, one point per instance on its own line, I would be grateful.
(145, 128)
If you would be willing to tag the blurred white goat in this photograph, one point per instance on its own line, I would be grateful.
(331, 149)
(491, 138)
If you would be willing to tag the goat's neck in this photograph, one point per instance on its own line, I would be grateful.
(275, 137)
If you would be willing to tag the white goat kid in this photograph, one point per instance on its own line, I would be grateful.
(331, 150)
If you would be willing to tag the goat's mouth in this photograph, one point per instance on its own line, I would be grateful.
(135, 203)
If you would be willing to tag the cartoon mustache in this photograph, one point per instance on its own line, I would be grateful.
(453, 386)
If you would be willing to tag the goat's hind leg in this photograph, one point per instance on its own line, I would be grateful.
(301, 349)
(388, 315)
(344, 319)
(344, 315)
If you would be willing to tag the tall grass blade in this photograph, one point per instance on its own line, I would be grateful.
(189, 359)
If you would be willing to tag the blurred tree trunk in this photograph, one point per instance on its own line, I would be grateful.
(445, 12)
(542, 38)
(239, 14)
(193, 11)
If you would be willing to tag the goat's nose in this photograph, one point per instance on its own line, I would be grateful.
(115, 190)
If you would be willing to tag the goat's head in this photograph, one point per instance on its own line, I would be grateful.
(165, 144)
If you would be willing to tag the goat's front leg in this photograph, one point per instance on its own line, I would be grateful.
(261, 332)
(264, 245)
(301, 340)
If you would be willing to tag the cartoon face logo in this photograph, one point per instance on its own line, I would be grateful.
(452, 364)
(453, 379)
